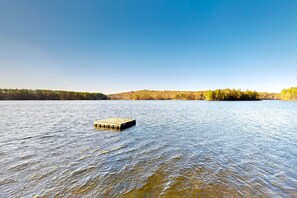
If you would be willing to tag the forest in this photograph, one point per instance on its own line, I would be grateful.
(219, 94)
(230, 94)
(289, 94)
(268, 96)
(29, 94)
(158, 95)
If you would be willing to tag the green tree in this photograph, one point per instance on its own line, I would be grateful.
(289, 94)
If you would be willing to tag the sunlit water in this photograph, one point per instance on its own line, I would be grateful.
(177, 149)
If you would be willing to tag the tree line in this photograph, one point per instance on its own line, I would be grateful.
(230, 94)
(39, 94)
(269, 96)
(158, 95)
(218, 94)
(289, 94)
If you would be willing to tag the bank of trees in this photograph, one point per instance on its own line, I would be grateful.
(29, 94)
(230, 94)
(219, 94)
(269, 96)
(158, 95)
(289, 94)
(212, 95)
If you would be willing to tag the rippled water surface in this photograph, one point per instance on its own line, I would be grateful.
(177, 149)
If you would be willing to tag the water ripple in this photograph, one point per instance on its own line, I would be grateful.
(177, 149)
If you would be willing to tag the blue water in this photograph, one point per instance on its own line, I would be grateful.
(177, 149)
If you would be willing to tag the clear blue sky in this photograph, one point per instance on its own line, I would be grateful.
(112, 46)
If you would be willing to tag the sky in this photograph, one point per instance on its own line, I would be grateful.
(113, 46)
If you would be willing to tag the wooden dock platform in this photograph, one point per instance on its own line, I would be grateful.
(115, 123)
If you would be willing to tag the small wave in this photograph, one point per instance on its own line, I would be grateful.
(110, 150)
(83, 170)
(22, 166)
(5, 181)
(47, 136)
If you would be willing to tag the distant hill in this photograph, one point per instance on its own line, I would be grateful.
(269, 96)
(219, 94)
(158, 95)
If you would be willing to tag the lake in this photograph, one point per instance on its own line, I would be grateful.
(176, 149)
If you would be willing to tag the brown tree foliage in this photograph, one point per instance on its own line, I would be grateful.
(158, 95)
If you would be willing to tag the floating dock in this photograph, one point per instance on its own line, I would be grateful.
(115, 123)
